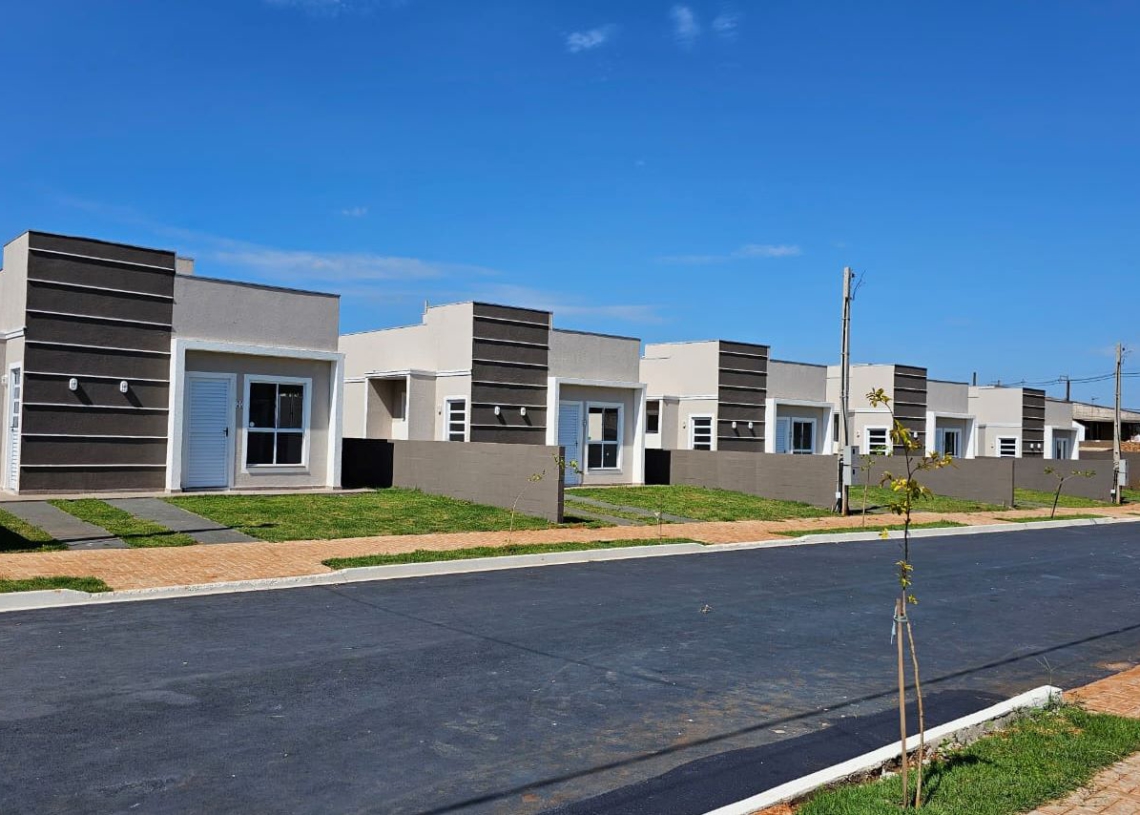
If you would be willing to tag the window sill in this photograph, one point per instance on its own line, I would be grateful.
(603, 470)
(274, 468)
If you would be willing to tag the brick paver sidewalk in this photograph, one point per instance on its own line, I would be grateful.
(190, 565)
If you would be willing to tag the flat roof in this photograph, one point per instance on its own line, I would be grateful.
(266, 286)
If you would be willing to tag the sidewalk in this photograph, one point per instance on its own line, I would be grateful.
(192, 565)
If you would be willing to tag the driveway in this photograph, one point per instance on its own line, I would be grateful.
(593, 688)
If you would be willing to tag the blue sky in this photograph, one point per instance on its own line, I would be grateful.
(670, 171)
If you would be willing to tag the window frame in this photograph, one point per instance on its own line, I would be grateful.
(940, 441)
(448, 401)
(792, 422)
(620, 443)
(1016, 446)
(693, 428)
(1068, 442)
(657, 415)
(888, 448)
(306, 421)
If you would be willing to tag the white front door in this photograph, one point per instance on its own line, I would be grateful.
(570, 438)
(1061, 447)
(15, 399)
(208, 432)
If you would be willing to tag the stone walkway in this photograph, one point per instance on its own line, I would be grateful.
(64, 527)
(188, 565)
(177, 519)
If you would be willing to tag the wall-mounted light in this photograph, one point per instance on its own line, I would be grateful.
(734, 425)
(123, 387)
(498, 410)
(73, 384)
(522, 411)
(750, 425)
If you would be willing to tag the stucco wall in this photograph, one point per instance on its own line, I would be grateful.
(821, 416)
(1058, 413)
(947, 397)
(988, 436)
(681, 369)
(576, 355)
(795, 380)
(316, 473)
(1030, 474)
(992, 404)
(260, 315)
(809, 479)
(987, 480)
(630, 401)
(14, 284)
(686, 409)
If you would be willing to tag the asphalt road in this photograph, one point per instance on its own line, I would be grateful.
(593, 688)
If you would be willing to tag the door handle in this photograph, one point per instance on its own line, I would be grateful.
(226, 432)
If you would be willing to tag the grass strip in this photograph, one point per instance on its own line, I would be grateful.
(436, 555)
(871, 527)
(88, 584)
(17, 535)
(700, 503)
(882, 496)
(1041, 757)
(394, 511)
(1033, 499)
(135, 532)
(1073, 516)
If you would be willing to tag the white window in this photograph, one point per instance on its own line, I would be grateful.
(603, 437)
(1061, 447)
(277, 421)
(653, 416)
(700, 432)
(876, 441)
(803, 436)
(1007, 446)
(455, 418)
(949, 442)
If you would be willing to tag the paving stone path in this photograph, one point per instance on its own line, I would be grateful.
(176, 519)
(63, 526)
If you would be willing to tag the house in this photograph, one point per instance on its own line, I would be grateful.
(1011, 421)
(869, 427)
(478, 372)
(125, 371)
(1097, 423)
(797, 412)
(707, 395)
(951, 428)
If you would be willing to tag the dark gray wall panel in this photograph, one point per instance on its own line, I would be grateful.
(739, 396)
(514, 434)
(93, 420)
(489, 395)
(95, 479)
(1098, 457)
(53, 389)
(1032, 423)
(742, 391)
(536, 335)
(101, 274)
(809, 479)
(97, 362)
(508, 374)
(989, 480)
(96, 333)
(53, 297)
(495, 350)
(510, 367)
(508, 416)
(513, 313)
(75, 451)
(102, 249)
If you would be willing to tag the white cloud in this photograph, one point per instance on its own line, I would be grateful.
(567, 305)
(686, 27)
(578, 41)
(354, 212)
(746, 252)
(725, 25)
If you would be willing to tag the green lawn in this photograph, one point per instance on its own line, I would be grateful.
(135, 532)
(89, 584)
(872, 527)
(1130, 496)
(1030, 499)
(1038, 759)
(323, 516)
(1072, 516)
(573, 508)
(700, 503)
(882, 496)
(18, 536)
(435, 555)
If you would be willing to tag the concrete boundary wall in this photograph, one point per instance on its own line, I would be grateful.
(809, 479)
(1097, 458)
(493, 474)
(1029, 474)
(989, 480)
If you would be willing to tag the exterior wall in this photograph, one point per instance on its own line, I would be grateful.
(743, 395)
(988, 436)
(987, 480)
(577, 355)
(947, 397)
(100, 313)
(998, 411)
(1030, 474)
(686, 409)
(494, 474)
(797, 380)
(1058, 413)
(320, 404)
(631, 471)
(14, 284)
(821, 416)
(509, 370)
(226, 311)
(681, 369)
(428, 420)
(354, 415)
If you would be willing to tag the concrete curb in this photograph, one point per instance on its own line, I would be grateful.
(868, 762)
(59, 598)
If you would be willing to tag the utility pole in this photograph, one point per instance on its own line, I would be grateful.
(1116, 486)
(844, 393)
(1068, 388)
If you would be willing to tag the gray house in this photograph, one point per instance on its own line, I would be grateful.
(122, 370)
(479, 372)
